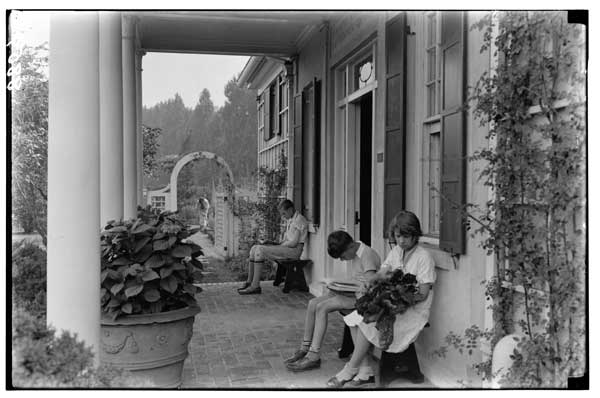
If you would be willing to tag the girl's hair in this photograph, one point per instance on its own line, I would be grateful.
(338, 242)
(286, 204)
(404, 223)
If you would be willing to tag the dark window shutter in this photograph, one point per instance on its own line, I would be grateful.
(395, 54)
(316, 153)
(452, 226)
(275, 104)
(267, 114)
(297, 131)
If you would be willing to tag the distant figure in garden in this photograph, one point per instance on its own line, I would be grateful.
(290, 247)
(203, 207)
(407, 255)
(364, 263)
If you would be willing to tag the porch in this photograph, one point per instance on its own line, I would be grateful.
(241, 341)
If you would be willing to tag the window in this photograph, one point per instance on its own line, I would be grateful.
(430, 215)
(261, 115)
(432, 176)
(274, 103)
(432, 50)
(158, 202)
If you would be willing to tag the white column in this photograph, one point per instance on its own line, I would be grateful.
(129, 120)
(74, 176)
(111, 118)
(139, 142)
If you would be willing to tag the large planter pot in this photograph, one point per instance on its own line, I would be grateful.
(151, 346)
(501, 358)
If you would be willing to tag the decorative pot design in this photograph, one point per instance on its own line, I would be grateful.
(501, 360)
(151, 346)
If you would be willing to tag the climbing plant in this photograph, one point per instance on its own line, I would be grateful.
(260, 220)
(533, 103)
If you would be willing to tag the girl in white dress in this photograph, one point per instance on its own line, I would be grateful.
(407, 255)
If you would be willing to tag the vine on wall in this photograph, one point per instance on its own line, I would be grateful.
(534, 106)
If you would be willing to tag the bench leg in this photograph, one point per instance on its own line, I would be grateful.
(279, 274)
(347, 344)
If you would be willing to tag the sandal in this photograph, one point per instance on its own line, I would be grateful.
(244, 286)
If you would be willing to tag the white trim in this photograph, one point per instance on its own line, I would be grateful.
(280, 142)
(556, 105)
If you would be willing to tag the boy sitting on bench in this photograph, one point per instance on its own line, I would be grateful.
(364, 262)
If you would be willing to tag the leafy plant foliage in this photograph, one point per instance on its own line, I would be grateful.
(385, 298)
(534, 105)
(146, 265)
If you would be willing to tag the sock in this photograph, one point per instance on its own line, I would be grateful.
(347, 373)
(313, 354)
(305, 345)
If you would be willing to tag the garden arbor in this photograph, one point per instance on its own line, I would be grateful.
(189, 158)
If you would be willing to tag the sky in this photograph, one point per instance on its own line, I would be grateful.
(164, 74)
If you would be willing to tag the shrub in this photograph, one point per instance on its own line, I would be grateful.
(29, 277)
(41, 359)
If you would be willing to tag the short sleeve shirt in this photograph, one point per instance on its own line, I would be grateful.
(416, 261)
(299, 223)
(366, 259)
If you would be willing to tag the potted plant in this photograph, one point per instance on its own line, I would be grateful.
(147, 296)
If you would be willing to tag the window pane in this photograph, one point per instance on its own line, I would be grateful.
(431, 99)
(431, 29)
(431, 65)
(434, 183)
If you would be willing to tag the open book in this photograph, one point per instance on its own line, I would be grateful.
(342, 285)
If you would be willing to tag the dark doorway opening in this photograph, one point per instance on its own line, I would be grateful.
(366, 158)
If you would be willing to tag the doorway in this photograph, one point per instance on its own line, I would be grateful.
(364, 165)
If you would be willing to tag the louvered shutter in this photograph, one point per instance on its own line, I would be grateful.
(452, 227)
(394, 160)
(316, 150)
(267, 113)
(297, 156)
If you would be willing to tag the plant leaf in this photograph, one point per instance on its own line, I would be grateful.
(144, 253)
(181, 251)
(161, 244)
(114, 302)
(140, 229)
(123, 260)
(149, 275)
(169, 284)
(134, 290)
(191, 289)
(152, 295)
(166, 271)
(155, 261)
(134, 269)
(127, 308)
(116, 288)
(139, 245)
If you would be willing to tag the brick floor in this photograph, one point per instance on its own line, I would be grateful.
(240, 342)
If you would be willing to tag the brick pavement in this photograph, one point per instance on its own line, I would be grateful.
(241, 341)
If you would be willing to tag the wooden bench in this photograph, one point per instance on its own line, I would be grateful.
(385, 360)
(291, 272)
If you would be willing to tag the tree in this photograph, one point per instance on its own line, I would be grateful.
(150, 137)
(29, 119)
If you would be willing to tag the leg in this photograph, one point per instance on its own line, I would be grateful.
(309, 325)
(323, 309)
(361, 349)
(347, 345)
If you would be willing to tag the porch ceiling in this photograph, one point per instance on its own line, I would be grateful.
(274, 33)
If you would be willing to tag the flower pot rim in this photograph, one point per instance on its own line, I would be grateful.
(160, 317)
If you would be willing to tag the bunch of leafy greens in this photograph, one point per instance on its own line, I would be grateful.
(387, 298)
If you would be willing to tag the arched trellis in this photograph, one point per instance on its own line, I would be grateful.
(189, 158)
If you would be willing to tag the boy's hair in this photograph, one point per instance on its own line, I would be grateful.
(338, 242)
(286, 204)
(404, 223)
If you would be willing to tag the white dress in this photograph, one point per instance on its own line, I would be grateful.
(408, 325)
